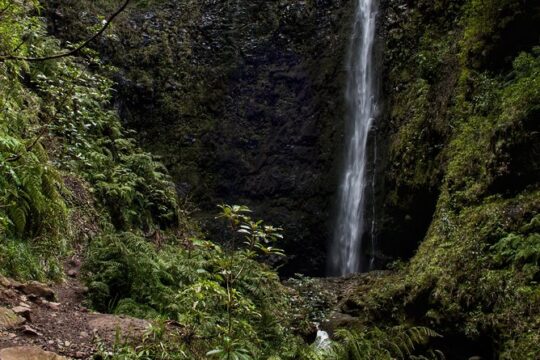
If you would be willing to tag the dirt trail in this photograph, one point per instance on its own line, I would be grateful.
(61, 325)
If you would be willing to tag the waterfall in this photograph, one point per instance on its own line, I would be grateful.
(345, 255)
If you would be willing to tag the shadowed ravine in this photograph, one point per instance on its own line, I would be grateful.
(169, 184)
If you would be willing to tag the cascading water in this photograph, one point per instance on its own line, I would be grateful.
(345, 255)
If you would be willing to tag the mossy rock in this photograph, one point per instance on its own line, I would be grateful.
(9, 319)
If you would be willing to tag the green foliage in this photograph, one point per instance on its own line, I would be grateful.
(31, 207)
(57, 120)
(517, 250)
(122, 264)
(129, 183)
(500, 113)
(234, 269)
(228, 302)
(19, 259)
(393, 343)
(483, 20)
(159, 342)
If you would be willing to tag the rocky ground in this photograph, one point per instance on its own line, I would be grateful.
(329, 301)
(50, 322)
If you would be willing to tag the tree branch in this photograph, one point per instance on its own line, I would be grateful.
(77, 49)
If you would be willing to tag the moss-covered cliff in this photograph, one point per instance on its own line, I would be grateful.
(460, 174)
(445, 64)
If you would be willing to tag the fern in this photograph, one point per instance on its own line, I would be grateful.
(393, 343)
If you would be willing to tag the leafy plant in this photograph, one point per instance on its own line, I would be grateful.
(229, 304)
(257, 238)
(31, 206)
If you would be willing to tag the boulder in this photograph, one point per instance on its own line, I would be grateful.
(4, 282)
(7, 294)
(38, 289)
(23, 311)
(28, 353)
(338, 321)
(15, 284)
(107, 326)
(30, 331)
(54, 306)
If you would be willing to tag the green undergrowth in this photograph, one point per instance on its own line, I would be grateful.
(31, 206)
(65, 159)
(384, 344)
(399, 342)
(225, 301)
(208, 301)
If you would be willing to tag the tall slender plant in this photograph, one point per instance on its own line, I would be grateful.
(258, 239)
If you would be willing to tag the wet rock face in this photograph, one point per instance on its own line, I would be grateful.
(284, 105)
(243, 100)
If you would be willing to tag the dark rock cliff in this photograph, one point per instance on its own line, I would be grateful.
(242, 100)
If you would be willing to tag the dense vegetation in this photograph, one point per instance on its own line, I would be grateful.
(459, 194)
(63, 148)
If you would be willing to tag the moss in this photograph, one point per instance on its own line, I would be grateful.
(132, 308)
(483, 22)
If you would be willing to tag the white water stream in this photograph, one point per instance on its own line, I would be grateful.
(345, 254)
